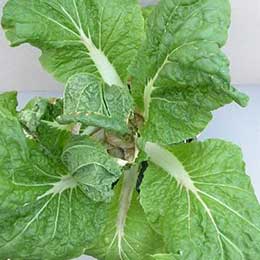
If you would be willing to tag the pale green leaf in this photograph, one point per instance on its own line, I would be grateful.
(126, 234)
(180, 74)
(91, 102)
(99, 37)
(44, 214)
(200, 198)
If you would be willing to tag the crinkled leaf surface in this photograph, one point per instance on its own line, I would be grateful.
(180, 74)
(126, 234)
(92, 168)
(91, 102)
(33, 113)
(200, 198)
(99, 37)
(39, 118)
(44, 214)
(8, 100)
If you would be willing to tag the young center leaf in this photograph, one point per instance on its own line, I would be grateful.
(99, 37)
(45, 212)
(92, 167)
(34, 111)
(180, 74)
(91, 102)
(39, 119)
(126, 234)
(200, 198)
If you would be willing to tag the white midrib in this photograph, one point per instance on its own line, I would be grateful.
(150, 84)
(149, 89)
(128, 186)
(66, 182)
(103, 65)
(101, 61)
(169, 163)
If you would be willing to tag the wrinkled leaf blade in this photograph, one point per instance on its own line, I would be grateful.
(199, 197)
(92, 167)
(41, 205)
(91, 102)
(180, 74)
(99, 37)
(126, 233)
(8, 100)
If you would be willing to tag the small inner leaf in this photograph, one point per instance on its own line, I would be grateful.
(91, 102)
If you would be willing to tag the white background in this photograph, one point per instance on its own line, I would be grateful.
(20, 70)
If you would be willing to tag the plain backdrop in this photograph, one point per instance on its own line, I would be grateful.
(20, 70)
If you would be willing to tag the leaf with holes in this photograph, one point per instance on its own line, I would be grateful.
(200, 198)
(99, 37)
(180, 74)
(126, 233)
(42, 203)
(93, 103)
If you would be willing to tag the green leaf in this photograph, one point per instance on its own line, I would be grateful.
(147, 10)
(200, 198)
(99, 37)
(39, 117)
(44, 214)
(8, 100)
(92, 167)
(33, 113)
(89, 101)
(86, 160)
(180, 74)
(55, 125)
(163, 257)
(126, 234)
